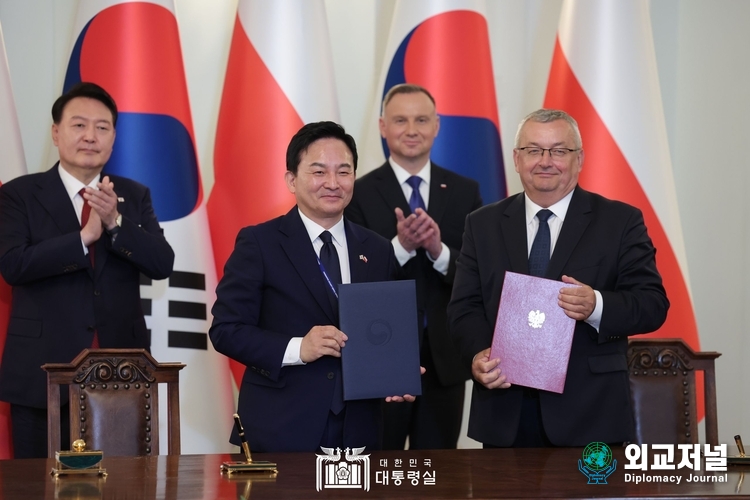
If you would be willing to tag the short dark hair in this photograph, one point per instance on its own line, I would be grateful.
(88, 90)
(405, 88)
(314, 132)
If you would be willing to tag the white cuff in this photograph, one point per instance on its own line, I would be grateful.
(596, 316)
(401, 254)
(443, 261)
(292, 355)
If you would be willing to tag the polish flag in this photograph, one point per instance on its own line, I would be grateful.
(445, 47)
(132, 49)
(604, 74)
(13, 165)
(279, 77)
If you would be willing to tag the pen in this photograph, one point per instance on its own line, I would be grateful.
(738, 440)
(241, 432)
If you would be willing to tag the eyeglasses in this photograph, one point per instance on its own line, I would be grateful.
(535, 152)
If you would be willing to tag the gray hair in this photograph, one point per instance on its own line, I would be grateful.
(547, 116)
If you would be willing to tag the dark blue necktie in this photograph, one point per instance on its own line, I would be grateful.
(540, 249)
(329, 257)
(415, 201)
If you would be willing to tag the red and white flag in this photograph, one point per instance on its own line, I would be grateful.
(279, 77)
(12, 165)
(604, 74)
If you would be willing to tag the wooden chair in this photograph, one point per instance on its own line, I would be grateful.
(663, 391)
(114, 401)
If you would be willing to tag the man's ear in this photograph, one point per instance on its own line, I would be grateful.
(291, 181)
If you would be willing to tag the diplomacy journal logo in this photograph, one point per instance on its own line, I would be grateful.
(597, 463)
(661, 463)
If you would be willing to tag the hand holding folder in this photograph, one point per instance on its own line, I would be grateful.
(487, 371)
(408, 398)
(322, 341)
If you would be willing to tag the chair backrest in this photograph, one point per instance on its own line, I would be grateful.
(663, 391)
(114, 401)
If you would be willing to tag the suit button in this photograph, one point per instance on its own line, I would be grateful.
(330, 375)
(97, 293)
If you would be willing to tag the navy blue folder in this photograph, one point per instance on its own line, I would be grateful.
(381, 357)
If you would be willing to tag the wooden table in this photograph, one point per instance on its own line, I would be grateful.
(500, 473)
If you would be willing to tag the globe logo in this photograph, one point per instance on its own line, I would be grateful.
(379, 333)
(597, 456)
(597, 463)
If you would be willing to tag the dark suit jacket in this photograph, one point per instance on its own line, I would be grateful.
(452, 198)
(273, 290)
(58, 299)
(604, 244)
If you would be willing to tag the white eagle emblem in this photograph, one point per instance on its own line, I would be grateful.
(536, 319)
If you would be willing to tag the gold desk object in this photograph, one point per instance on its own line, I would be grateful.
(252, 466)
(78, 461)
(249, 465)
(741, 458)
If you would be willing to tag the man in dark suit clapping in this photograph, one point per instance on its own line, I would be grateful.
(421, 208)
(73, 245)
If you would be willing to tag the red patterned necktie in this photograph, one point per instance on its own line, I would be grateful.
(84, 219)
(85, 213)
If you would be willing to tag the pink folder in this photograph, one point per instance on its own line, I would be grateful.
(533, 335)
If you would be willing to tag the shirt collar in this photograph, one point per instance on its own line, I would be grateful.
(73, 185)
(402, 174)
(314, 229)
(560, 209)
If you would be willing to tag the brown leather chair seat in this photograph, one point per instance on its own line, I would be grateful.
(114, 401)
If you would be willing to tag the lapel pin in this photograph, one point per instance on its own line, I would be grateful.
(443, 186)
(363, 258)
(120, 199)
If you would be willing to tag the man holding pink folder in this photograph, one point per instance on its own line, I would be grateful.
(556, 230)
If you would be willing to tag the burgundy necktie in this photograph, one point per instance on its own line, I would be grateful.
(85, 213)
(84, 219)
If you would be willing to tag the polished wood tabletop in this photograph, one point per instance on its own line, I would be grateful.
(498, 473)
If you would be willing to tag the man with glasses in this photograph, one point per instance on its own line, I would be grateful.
(556, 230)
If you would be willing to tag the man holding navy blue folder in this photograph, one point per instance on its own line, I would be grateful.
(277, 305)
